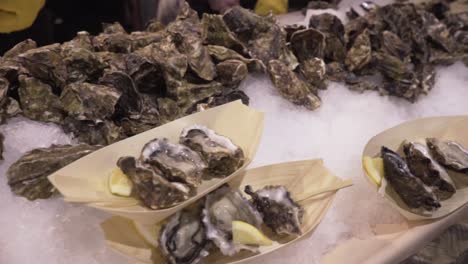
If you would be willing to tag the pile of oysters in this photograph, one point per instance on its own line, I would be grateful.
(192, 234)
(167, 174)
(424, 177)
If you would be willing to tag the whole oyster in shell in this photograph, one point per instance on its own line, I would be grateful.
(223, 206)
(360, 53)
(220, 153)
(280, 212)
(151, 187)
(231, 73)
(178, 163)
(411, 189)
(182, 239)
(423, 166)
(27, 177)
(291, 87)
(449, 153)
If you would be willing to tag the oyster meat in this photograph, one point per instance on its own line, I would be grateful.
(411, 189)
(222, 156)
(280, 212)
(151, 187)
(423, 166)
(449, 153)
(178, 163)
(182, 239)
(27, 177)
(223, 206)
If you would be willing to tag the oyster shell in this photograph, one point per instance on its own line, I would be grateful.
(360, 53)
(414, 193)
(178, 163)
(183, 238)
(221, 54)
(103, 133)
(147, 76)
(19, 48)
(290, 29)
(215, 32)
(393, 45)
(82, 64)
(27, 177)
(280, 212)
(113, 39)
(449, 153)
(333, 29)
(231, 73)
(314, 70)
(38, 102)
(423, 166)
(151, 187)
(291, 87)
(307, 44)
(223, 206)
(87, 101)
(222, 156)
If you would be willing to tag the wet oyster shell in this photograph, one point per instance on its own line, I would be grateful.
(46, 64)
(291, 87)
(280, 212)
(308, 43)
(231, 73)
(414, 193)
(423, 166)
(360, 53)
(19, 48)
(223, 206)
(449, 153)
(27, 177)
(215, 32)
(38, 102)
(314, 71)
(183, 238)
(178, 163)
(103, 133)
(151, 187)
(87, 101)
(222, 156)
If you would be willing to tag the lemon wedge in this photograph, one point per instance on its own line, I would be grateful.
(119, 183)
(244, 233)
(150, 233)
(374, 168)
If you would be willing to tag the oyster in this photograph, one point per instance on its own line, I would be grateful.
(360, 53)
(151, 187)
(308, 43)
(178, 163)
(221, 54)
(103, 133)
(114, 38)
(333, 29)
(222, 156)
(393, 45)
(182, 239)
(231, 73)
(38, 101)
(414, 193)
(82, 64)
(291, 87)
(290, 29)
(19, 48)
(449, 153)
(314, 70)
(87, 101)
(280, 212)
(215, 32)
(27, 177)
(423, 166)
(223, 206)
(147, 75)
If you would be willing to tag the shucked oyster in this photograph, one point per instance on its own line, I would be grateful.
(279, 211)
(151, 187)
(423, 166)
(221, 208)
(183, 238)
(449, 153)
(411, 189)
(222, 156)
(177, 162)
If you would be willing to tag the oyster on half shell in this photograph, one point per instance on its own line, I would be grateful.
(223, 206)
(151, 187)
(182, 239)
(178, 163)
(222, 156)
(280, 212)
(449, 153)
(411, 189)
(423, 166)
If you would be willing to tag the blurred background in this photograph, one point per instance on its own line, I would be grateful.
(59, 20)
